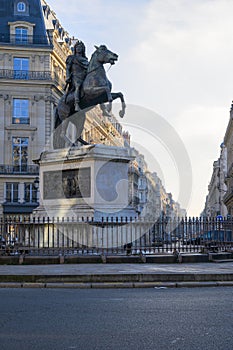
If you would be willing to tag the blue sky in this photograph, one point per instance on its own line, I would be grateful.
(175, 58)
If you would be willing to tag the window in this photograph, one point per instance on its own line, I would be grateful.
(20, 111)
(21, 67)
(12, 192)
(20, 153)
(21, 7)
(21, 35)
(30, 193)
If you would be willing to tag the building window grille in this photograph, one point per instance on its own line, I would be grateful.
(30, 193)
(21, 68)
(21, 35)
(20, 111)
(12, 192)
(20, 153)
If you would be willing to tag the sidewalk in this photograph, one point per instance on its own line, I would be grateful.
(116, 275)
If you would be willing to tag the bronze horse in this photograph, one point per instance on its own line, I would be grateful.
(96, 89)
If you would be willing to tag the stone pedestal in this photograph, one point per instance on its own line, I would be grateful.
(91, 181)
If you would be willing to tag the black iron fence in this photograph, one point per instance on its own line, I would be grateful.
(82, 236)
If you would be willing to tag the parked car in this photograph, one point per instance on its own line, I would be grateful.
(218, 235)
(193, 241)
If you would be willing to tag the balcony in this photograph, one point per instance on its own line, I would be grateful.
(30, 75)
(29, 40)
(19, 170)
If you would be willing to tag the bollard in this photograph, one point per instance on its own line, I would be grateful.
(142, 257)
(21, 259)
(103, 258)
(62, 259)
(177, 255)
(210, 257)
(127, 248)
(179, 258)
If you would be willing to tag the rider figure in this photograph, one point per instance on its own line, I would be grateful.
(76, 70)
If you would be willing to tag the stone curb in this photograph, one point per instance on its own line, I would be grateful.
(112, 285)
(117, 259)
(110, 278)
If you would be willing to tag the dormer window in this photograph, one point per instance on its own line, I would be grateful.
(21, 7)
(21, 32)
(21, 35)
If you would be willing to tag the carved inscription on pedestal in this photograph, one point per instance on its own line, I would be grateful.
(74, 183)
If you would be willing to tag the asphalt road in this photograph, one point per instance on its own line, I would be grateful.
(197, 318)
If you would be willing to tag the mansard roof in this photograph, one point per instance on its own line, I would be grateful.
(34, 15)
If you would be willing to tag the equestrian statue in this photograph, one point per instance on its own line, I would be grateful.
(87, 85)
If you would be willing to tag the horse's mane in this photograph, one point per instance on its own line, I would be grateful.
(93, 56)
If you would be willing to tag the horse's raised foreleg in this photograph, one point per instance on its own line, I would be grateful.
(119, 95)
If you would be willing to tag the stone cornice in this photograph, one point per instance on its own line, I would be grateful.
(16, 23)
(23, 127)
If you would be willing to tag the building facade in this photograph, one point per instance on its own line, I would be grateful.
(219, 199)
(153, 202)
(228, 142)
(214, 204)
(33, 50)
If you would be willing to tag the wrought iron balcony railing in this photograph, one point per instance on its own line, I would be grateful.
(25, 40)
(24, 74)
(30, 75)
(19, 169)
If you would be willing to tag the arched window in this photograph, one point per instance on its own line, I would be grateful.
(21, 6)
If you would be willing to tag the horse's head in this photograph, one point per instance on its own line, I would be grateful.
(105, 55)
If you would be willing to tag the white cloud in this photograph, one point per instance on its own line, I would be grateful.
(187, 47)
